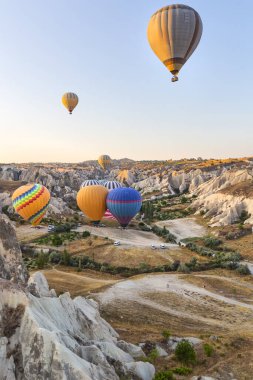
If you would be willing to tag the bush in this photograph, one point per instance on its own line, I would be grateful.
(56, 240)
(65, 258)
(243, 269)
(182, 371)
(166, 334)
(185, 352)
(209, 350)
(153, 355)
(41, 261)
(212, 242)
(55, 257)
(85, 234)
(183, 268)
(164, 375)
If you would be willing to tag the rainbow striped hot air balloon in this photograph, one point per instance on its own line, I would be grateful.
(31, 202)
(124, 203)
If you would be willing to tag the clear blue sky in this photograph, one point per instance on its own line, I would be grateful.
(128, 106)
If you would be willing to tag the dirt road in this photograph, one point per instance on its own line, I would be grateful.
(127, 237)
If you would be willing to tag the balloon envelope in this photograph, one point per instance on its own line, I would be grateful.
(89, 182)
(124, 203)
(31, 202)
(104, 161)
(70, 101)
(174, 33)
(111, 185)
(92, 201)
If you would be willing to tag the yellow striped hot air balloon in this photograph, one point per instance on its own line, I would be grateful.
(104, 161)
(70, 101)
(31, 202)
(92, 202)
(174, 33)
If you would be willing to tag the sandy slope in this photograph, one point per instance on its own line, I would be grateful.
(183, 228)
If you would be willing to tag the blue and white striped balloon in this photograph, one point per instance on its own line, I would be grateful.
(89, 182)
(111, 185)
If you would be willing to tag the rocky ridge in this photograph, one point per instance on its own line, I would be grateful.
(48, 337)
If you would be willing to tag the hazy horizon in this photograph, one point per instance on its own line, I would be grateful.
(128, 106)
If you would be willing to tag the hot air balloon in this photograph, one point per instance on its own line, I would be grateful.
(31, 202)
(111, 185)
(174, 33)
(92, 202)
(70, 101)
(104, 161)
(89, 182)
(124, 203)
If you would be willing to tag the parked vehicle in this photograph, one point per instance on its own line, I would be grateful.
(51, 228)
(162, 246)
(116, 243)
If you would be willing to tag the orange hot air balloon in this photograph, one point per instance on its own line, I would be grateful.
(70, 101)
(92, 202)
(31, 202)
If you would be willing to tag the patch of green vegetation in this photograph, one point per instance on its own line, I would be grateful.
(163, 232)
(243, 269)
(182, 371)
(185, 352)
(211, 242)
(166, 334)
(208, 349)
(57, 239)
(164, 375)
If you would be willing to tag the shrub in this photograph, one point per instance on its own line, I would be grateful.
(185, 352)
(66, 257)
(41, 260)
(166, 334)
(182, 371)
(55, 257)
(183, 199)
(212, 242)
(183, 268)
(85, 234)
(56, 240)
(243, 269)
(164, 375)
(153, 355)
(209, 350)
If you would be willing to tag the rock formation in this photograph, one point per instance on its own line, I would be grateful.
(46, 337)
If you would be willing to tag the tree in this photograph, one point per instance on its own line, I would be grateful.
(66, 257)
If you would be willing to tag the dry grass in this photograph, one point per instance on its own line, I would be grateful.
(77, 283)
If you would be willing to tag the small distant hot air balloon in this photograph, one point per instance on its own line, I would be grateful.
(90, 182)
(31, 202)
(174, 33)
(92, 202)
(104, 161)
(70, 101)
(111, 185)
(124, 203)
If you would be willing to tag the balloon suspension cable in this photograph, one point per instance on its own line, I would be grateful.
(174, 79)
